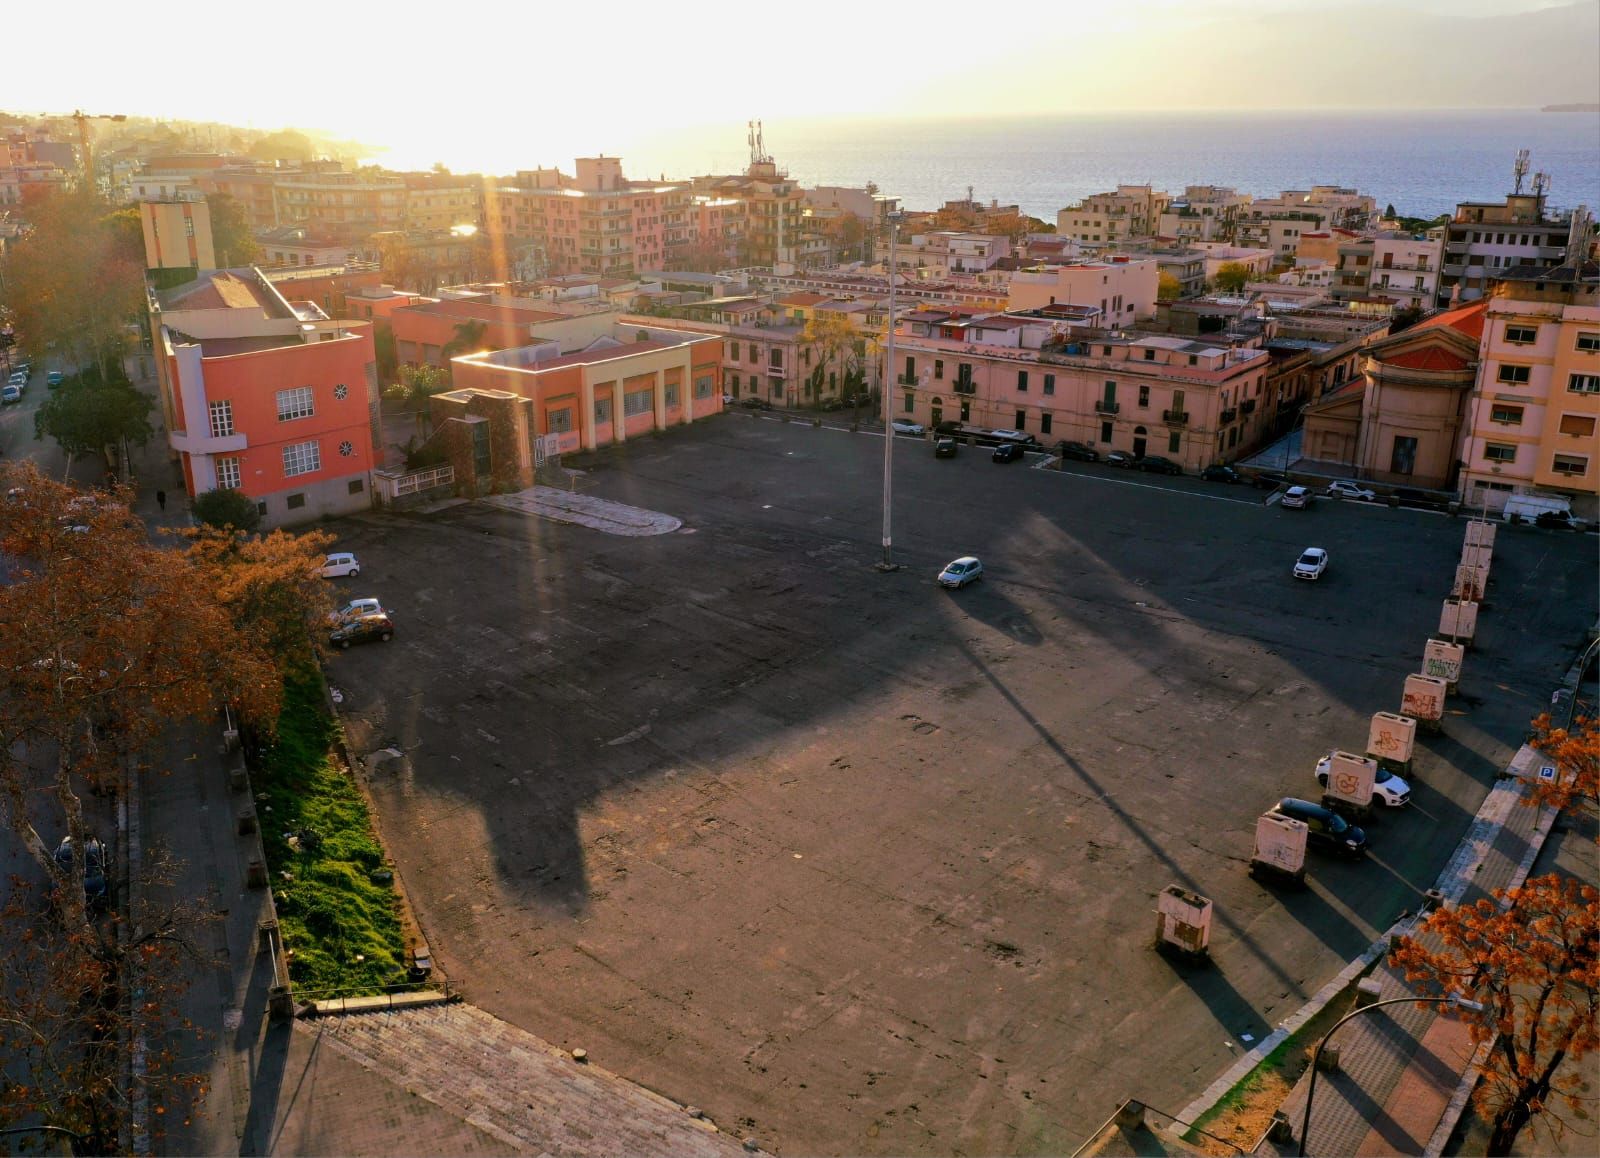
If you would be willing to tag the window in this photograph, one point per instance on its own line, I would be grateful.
(295, 502)
(909, 403)
(295, 403)
(1022, 420)
(1174, 442)
(1044, 424)
(1588, 343)
(1403, 459)
(1570, 464)
(357, 486)
(228, 473)
(1105, 432)
(1577, 425)
(755, 354)
(1049, 383)
(1514, 375)
(1506, 415)
(733, 351)
(1576, 384)
(1022, 381)
(938, 367)
(966, 412)
(559, 421)
(1521, 335)
(775, 358)
(639, 402)
(671, 392)
(911, 371)
(1499, 452)
(301, 458)
(602, 410)
(1149, 355)
(1144, 396)
(222, 418)
(702, 386)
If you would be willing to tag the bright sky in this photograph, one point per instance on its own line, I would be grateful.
(441, 81)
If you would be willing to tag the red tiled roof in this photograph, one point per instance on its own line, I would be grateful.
(1466, 319)
(802, 298)
(1428, 358)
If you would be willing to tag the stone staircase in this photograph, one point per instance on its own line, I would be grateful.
(528, 1094)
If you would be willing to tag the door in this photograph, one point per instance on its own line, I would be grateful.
(936, 414)
(1138, 441)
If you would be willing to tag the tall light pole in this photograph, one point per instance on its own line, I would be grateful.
(889, 564)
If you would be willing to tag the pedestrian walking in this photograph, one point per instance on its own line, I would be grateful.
(161, 499)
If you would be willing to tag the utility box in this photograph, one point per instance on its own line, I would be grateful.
(1280, 852)
(1350, 782)
(1470, 583)
(1458, 619)
(1183, 921)
(1423, 701)
(1480, 533)
(1391, 739)
(1442, 661)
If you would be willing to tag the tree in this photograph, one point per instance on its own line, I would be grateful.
(1576, 754)
(87, 417)
(1168, 287)
(227, 509)
(270, 586)
(834, 342)
(384, 349)
(1231, 277)
(231, 238)
(1530, 956)
(127, 233)
(468, 339)
(418, 383)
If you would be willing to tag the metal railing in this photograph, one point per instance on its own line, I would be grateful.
(1105, 406)
(1175, 417)
(1227, 415)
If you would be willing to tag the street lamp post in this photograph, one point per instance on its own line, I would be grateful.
(1455, 1001)
(888, 564)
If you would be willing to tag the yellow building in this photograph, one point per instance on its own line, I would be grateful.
(177, 234)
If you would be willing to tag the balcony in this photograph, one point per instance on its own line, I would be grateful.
(1227, 416)
(1248, 406)
(1106, 406)
(906, 380)
(1175, 417)
(964, 386)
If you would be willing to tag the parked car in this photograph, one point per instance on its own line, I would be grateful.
(53, 379)
(1224, 474)
(1266, 480)
(1345, 489)
(1312, 563)
(1007, 452)
(10, 393)
(1387, 788)
(1325, 827)
(355, 609)
(1122, 458)
(96, 888)
(364, 629)
(1559, 520)
(754, 403)
(967, 569)
(902, 426)
(1422, 500)
(1157, 464)
(1296, 497)
(1077, 451)
(341, 565)
(945, 448)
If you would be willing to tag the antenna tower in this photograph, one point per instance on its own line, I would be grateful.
(1541, 184)
(1520, 170)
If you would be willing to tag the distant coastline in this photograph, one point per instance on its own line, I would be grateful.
(1580, 108)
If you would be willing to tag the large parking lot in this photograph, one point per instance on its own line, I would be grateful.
(863, 866)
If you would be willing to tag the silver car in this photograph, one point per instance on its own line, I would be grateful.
(1387, 787)
(967, 569)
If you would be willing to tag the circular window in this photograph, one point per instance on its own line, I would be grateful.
(341, 391)
(347, 449)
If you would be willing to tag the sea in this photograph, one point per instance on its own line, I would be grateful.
(1422, 162)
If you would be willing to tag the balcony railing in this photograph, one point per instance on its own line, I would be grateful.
(965, 386)
(1175, 417)
(1228, 415)
(1104, 406)
(906, 380)
(1248, 406)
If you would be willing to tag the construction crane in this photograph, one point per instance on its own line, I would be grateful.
(82, 118)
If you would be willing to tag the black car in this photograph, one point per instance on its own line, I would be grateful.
(1223, 474)
(1077, 451)
(754, 403)
(1007, 452)
(1120, 458)
(944, 448)
(1324, 827)
(1156, 464)
(1558, 520)
(362, 630)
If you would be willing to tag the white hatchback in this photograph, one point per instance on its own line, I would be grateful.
(1312, 563)
(962, 571)
(341, 565)
(1296, 497)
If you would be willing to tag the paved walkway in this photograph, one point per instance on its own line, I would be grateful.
(586, 511)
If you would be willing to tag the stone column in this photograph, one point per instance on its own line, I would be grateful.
(586, 432)
(661, 401)
(619, 412)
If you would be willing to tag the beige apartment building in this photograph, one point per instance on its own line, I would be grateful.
(1123, 288)
(1203, 213)
(1111, 218)
(1394, 267)
(1534, 412)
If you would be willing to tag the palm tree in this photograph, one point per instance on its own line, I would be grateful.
(468, 339)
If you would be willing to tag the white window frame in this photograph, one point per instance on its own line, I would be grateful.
(221, 415)
(1501, 452)
(1583, 384)
(302, 458)
(1515, 334)
(228, 473)
(1587, 342)
(1507, 374)
(1580, 460)
(296, 402)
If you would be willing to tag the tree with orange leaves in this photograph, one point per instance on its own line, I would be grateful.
(1575, 752)
(1530, 957)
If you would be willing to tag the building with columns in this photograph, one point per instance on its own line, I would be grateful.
(631, 381)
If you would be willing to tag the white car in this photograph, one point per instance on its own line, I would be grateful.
(901, 426)
(962, 571)
(341, 565)
(1387, 787)
(1296, 497)
(1312, 563)
(1344, 489)
(355, 609)
(10, 393)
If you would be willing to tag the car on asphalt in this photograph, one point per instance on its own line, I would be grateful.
(1007, 452)
(355, 609)
(1324, 827)
(341, 565)
(96, 888)
(1157, 464)
(1387, 788)
(1312, 563)
(1559, 521)
(1077, 451)
(1222, 474)
(754, 403)
(1122, 458)
(944, 447)
(363, 629)
(10, 393)
(902, 426)
(1296, 497)
(1341, 488)
(959, 572)
(54, 378)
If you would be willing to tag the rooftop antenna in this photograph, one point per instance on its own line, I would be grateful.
(1541, 184)
(1519, 170)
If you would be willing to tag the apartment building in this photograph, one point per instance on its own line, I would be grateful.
(944, 253)
(1531, 426)
(177, 235)
(1123, 288)
(1393, 266)
(438, 202)
(1203, 213)
(298, 245)
(267, 396)
(775, 225)
(1485, 240)
(763, 354)
(1107, 219)
(1278, 223)
(252, 187)
(350, 205)
(1042, 372)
